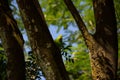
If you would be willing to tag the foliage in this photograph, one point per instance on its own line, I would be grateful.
(56, 13)
(117, 10)
(33, 71)
(81, 69)
(2, 64)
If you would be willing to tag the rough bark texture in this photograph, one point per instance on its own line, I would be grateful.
(47, 54)
(103, 45)
(106, 36)
(12, 42)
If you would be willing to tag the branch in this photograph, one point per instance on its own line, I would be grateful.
(77, 18)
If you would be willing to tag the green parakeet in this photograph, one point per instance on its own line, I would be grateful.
(58, 41)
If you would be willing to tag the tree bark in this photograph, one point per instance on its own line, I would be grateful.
(47, 53)
(12, 42)
(106, 36)
(103, 45)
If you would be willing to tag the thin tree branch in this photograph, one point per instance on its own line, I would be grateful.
(77, 18)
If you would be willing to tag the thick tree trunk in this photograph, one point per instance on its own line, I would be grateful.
(47, 54)
(103, 45)
(106, 36)
(12, 42)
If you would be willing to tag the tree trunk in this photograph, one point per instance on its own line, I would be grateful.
(106, 36)
(47, 53)
(12, 42)
(103, 45)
